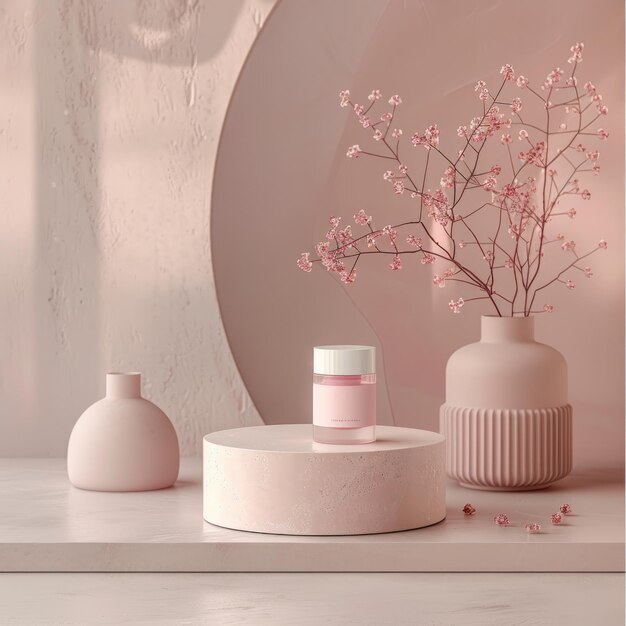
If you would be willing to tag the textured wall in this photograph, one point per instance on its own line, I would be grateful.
(110, 114)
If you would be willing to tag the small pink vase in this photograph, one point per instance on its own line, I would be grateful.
(123, 442)
(506, 419)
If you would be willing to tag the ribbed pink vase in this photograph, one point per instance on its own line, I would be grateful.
(506, 419)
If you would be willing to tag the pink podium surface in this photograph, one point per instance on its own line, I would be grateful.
(47, 525)
(275, 479)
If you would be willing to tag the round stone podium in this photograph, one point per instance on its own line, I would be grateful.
(275, 479)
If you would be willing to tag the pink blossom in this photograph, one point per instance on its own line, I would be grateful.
(396, 264)
(348, 278)
(322, 248)
(548, 308)
(304, 263)
(572, 81)
(447, 180)
(602, 134)
(507, 71)
(371, 239)
(396, 133)
(389, 174)
(577, 53)
(480, 85)
(391, 233)
(570, 284)
(489, 184)
(414, 241)
(563, 126)
(344, 98)
(508, 263)
(571, 213)
(395, 100)
(588, 272)
(361, 218)
(456, 305)
(358, 109)
(385, 117)
(495, 170)
(365, 121)
(551, 173)
(428, 259)
(603, 109)
(462, 244)
(398, 187)
(560, 237)
(344, 236)
(461, 131)
(523, 134)
(593, 155)
(568, 245)
(353, 151)
(488, 256)
(440, 281)
(585, 194)
(554, 76)
(595, 169)
(377, 135)
(375, 95)
(516, 105)
(602, 244)
(483, 95)
(580, 148)
(522, 81)
(506, 138)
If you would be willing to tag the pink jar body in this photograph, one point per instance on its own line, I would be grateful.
(344, 408)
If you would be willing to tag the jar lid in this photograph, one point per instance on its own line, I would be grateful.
(344, 360)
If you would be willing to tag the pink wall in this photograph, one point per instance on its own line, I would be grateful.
(282, 170)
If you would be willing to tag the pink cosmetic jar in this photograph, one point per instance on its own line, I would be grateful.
(344, 394)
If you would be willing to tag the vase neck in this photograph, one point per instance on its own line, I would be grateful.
(495, 328)
(123, 385)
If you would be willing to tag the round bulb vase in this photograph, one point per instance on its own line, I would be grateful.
(123, 442)
(506, 418)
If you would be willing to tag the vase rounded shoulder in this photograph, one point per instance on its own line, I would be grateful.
(506, 369)
(123, 442)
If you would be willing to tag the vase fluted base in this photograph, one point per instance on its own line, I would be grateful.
(507, 449)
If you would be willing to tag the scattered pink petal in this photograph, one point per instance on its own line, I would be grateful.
(556, 518)
(468, 509)
(533, 528)
(565, 509)
(502, 519)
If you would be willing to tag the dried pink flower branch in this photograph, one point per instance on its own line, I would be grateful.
(541, 173)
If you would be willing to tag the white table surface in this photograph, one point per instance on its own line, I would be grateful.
(47, 525)
(348, 599)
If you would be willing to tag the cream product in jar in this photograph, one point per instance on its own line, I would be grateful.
(344, 394)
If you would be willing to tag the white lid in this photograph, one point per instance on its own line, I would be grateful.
(344, 360)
